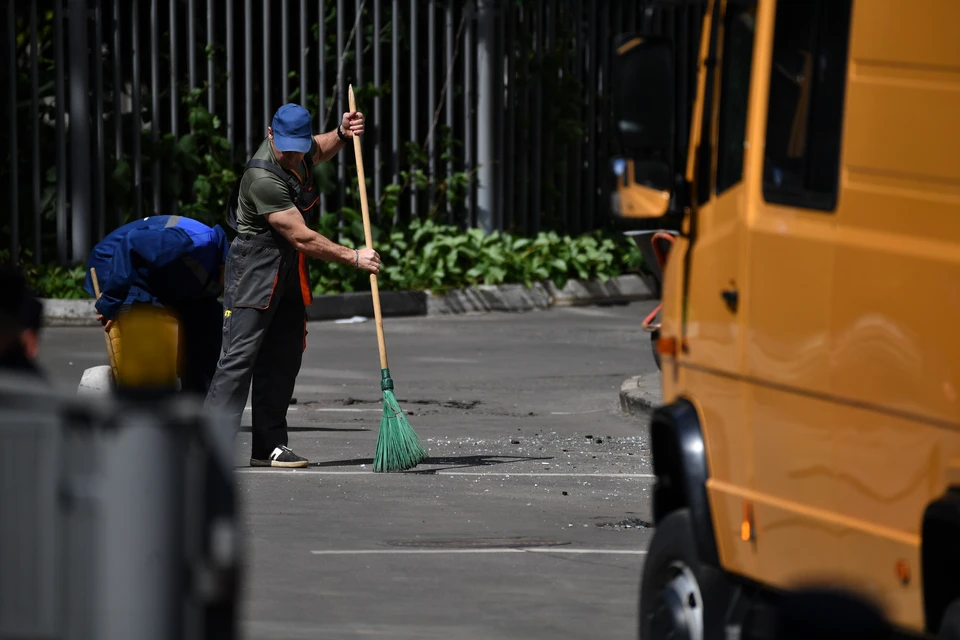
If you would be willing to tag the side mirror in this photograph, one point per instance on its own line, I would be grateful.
(643, 90)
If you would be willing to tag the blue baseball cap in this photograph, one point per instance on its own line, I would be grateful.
(291, 129)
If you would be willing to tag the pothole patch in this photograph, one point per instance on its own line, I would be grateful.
(625, 525)
(476, 543)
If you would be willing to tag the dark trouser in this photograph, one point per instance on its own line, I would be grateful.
(201, 333)
(264, 329)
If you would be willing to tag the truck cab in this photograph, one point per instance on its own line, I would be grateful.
(809, 431)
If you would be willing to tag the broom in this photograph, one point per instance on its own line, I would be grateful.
(398, 447)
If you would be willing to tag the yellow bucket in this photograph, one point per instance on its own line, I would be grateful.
(143, 347)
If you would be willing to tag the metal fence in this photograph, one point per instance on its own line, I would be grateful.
(488, 113)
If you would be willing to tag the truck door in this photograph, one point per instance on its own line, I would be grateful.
(712, 327)
(791, 257)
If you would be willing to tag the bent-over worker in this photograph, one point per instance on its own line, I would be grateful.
(174, 262)
(266, 285)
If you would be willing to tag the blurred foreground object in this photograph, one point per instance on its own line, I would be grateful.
(119, 513)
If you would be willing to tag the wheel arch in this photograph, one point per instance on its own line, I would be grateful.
(940, 556)
(680, 467)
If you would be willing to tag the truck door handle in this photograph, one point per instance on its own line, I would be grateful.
(732, 298)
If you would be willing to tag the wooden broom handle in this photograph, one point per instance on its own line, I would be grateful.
(362, 185)
(96, 290)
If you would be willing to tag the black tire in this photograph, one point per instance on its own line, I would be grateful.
(673, 544)
(950, 623)
(653, 345)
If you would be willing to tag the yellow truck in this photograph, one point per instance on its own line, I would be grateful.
(810, 425)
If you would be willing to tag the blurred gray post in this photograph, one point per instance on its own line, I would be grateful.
(486, 130)
(81, 179)
(141, 529)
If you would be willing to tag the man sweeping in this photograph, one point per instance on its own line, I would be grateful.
(169, 261)
(266, 289)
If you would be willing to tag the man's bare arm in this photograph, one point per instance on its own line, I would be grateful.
(328, 144)
(289, 223)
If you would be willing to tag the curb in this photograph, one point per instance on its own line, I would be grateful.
(513, 298)
(639, 395)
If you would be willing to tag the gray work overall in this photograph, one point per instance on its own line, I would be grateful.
(264, 335)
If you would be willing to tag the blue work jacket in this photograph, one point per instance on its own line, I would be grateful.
(162, 260)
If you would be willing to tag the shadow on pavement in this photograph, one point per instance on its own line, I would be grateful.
(445, 462)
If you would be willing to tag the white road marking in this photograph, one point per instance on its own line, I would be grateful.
(365, 552)
(441, 472)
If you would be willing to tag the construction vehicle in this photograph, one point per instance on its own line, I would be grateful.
(809, 431)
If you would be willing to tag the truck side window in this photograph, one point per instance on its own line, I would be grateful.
(739, 26)
(805, 109)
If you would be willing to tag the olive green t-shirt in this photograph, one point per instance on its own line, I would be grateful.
(262, 192)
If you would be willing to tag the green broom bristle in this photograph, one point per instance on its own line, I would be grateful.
(398, 446)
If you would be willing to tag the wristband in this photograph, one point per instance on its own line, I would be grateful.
(357, 263)
(340, 135)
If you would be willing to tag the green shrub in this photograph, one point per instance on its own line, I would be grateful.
(430, 256)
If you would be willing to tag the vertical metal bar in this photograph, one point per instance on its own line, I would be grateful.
(303, 53)
(267, 104)
(485, 159)
(285, 51)
(154, 101)
(589, 195)
(523, 106)
(395, 93)
(14, 156)
(413, 96)
(576, 176)
(231, 126)
(377, 108)
(358, 45)
(431, 95)
(80, 205)
(321, 115)
(117, 97)
(191, 43)
(510, 118)
(500, 89)
(210, 77)
(468, 159)
(248, 76)
(448, 108)
(35, 124)
(535, 210)
(174, 77)
(58, 63)
(137, 108)
(99, 169)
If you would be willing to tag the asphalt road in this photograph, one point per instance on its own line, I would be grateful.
(529, 520)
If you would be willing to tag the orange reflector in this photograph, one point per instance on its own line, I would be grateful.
(667, 346)
(903, 572)
(746, 527)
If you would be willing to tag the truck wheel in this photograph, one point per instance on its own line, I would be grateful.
(950, 623)
(653, 345)
(679, 597)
